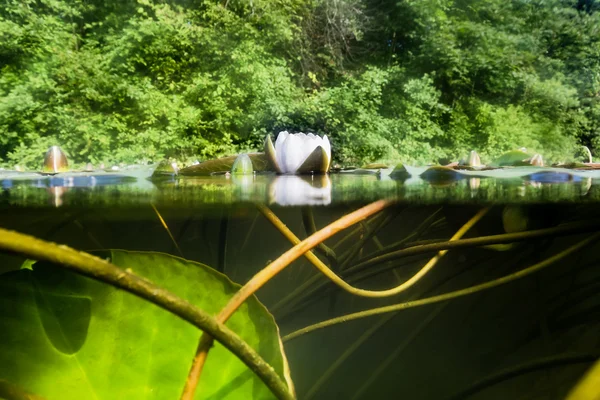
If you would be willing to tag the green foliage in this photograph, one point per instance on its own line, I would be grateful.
(416, 81)
(65, 336)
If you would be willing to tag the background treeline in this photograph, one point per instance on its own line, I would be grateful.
(412, 80)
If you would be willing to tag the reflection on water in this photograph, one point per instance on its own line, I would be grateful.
(294, 190)
(135, 186)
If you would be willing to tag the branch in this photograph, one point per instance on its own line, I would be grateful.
(101, 270)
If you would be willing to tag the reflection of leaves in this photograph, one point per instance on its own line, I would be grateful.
(65, 336)
(259, 163)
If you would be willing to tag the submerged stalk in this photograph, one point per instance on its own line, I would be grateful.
(263, 276)
(446, 296)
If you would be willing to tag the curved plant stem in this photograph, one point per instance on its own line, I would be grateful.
(263, 276)
(164, 224)
(374, 293)
(446, 296)
(303, 288)
(375, 220)
(308, 220)
(529, 366)
(101, 270)
(422, 228)
(563, 230)
(370, 232)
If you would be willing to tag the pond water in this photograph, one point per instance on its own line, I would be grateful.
(531, 337)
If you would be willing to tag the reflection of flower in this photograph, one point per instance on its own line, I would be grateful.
(298, 153)
(301, 191)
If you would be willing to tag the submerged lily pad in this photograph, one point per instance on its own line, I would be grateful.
(64, 336)
(259, 164)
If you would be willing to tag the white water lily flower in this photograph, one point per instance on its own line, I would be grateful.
(298, 153)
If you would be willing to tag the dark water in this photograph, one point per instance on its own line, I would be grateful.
(540, 332)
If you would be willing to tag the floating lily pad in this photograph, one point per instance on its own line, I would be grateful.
(259, 164)
(65, 336)
(439, 174)
(513, 158)
(374, 166)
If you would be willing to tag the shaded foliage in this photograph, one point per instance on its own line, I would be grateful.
(137, 81)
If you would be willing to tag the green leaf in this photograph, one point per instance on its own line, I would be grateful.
(259, 163)
(65, 336)
(512, 158)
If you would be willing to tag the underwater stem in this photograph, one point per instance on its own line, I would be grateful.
(101, 270)
(446, 296)
(563, 230)
(164, 224)
(308, 220)
(332, 276)
(264, 275)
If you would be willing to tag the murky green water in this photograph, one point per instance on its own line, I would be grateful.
(539, 332)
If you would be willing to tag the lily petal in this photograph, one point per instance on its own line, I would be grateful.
(292, 154)
(271, 154)
(317, 161)
(327, 147)
(281, 138)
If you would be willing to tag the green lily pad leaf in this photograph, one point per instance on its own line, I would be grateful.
(65, 336)
(259, 164)
(242, 165)
(439, 174)
(513, 158)
(400, 172)
(374, 166)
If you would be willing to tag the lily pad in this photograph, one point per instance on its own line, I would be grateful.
(439, 174)
(65, 336)
(259, 163)
(374, 166)
(513, 158)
